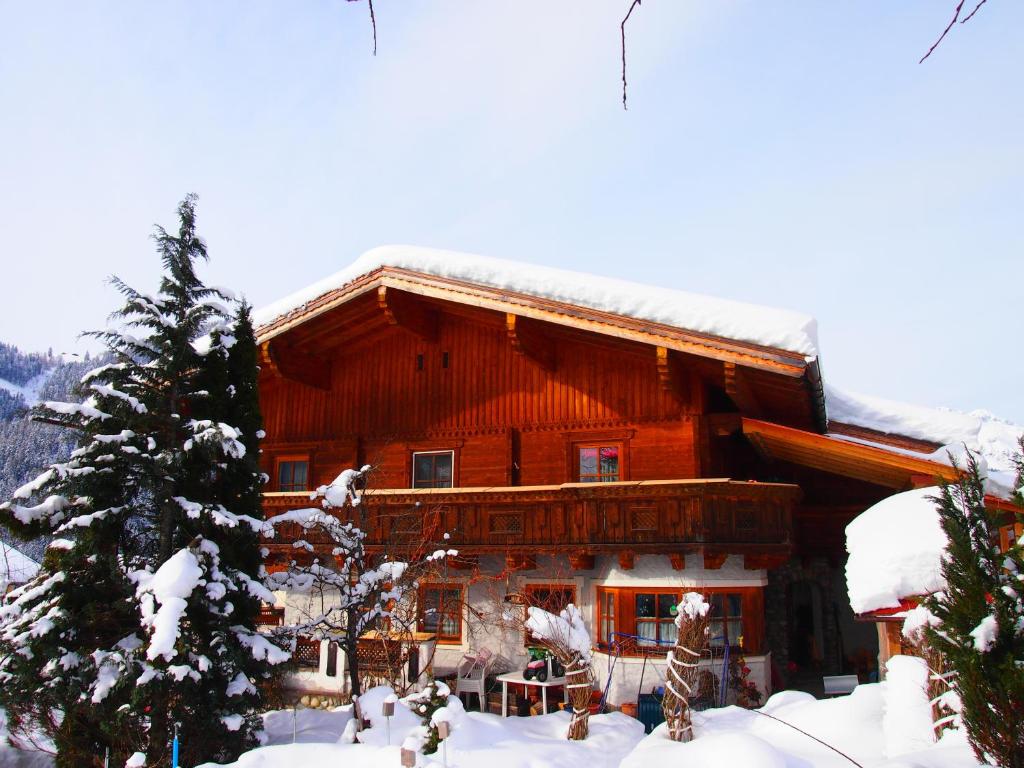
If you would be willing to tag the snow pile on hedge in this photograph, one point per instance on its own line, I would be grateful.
(993, 440)
(761, 325)
(895, 551)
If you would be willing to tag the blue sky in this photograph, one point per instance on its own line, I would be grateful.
(785, 153)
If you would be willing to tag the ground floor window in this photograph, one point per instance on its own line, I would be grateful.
(642, 619)
(439, 610)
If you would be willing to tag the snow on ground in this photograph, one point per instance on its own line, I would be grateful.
(739, 737)
(856, 725)
(477, 739)
(766, 326)
(994, 440)
(882, 725)
(895, 551)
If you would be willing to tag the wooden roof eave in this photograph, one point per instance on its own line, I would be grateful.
(830, 454)
(772, 359)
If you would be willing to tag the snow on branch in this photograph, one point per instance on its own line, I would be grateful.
(566, 630)
(169, 588)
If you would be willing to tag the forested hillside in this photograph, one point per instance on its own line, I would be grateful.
(27, 446)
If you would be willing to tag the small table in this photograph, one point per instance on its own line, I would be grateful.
(516, 678)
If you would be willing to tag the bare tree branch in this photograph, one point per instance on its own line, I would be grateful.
(373, 23)
(956, 17)
(970, 15)
(622, 28)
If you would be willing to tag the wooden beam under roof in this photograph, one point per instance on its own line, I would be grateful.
(291, 363)
(738, 388)
(780, 361)
(528, 340)
(842, 457)
(402, 309)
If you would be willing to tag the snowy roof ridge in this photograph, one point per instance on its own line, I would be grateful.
(725, 318)
(994, 440)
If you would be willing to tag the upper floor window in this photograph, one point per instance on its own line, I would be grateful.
(598, 463)
(433, 469)
(293, 475)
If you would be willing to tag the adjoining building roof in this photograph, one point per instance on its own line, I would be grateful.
(760, 325)
(942, 435)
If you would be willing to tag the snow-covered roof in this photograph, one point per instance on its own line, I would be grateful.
(764, 326)
(993, 440)
(15, 566)
(895, 551)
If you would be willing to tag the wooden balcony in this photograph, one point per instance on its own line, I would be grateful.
(676, 517)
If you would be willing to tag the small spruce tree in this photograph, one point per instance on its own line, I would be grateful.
(980, 618)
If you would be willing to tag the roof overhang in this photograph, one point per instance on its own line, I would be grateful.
(881, 466)
(794, 367)
(560, 313)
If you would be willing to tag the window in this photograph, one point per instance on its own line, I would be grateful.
(549, 597)
(439, 610)
(645, 619)
(726, 619)
(293, 475)
(598, 463)
(655, 618)
(432, 469)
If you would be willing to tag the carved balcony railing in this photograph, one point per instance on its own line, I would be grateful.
(663, 516)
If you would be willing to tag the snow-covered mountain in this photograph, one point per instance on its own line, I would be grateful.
(25, 445)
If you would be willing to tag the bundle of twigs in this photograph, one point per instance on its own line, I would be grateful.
(682, 673)
(566, 637)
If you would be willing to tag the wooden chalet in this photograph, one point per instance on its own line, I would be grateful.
(618, 459)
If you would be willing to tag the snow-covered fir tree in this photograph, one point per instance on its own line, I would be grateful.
(977, 622)
(143, 615)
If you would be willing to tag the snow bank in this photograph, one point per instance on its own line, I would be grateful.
(907, 718)
(895, 551)
(853, 725)
(995, 441)
(477, 739)
(704, 314)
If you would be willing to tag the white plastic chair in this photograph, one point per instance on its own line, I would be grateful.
(472, 675)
